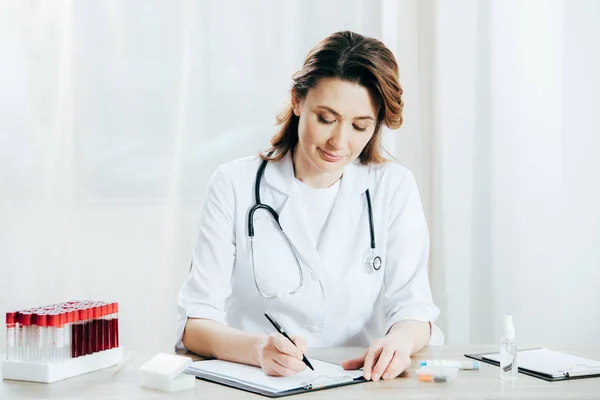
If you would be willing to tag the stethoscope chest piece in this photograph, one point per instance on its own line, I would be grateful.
(371, 261)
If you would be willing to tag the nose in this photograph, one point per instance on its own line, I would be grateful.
(339, 137)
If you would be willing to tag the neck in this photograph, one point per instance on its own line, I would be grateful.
(309, 175)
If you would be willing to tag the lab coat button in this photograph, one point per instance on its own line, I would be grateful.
(314, 276)
(313, 329)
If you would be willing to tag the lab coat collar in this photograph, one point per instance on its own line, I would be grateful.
(355, 179)
(280, 175)
(293, 218)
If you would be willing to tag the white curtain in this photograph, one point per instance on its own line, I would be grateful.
(114, 114)
(505, 141)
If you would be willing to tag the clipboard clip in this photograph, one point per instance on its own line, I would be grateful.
(581, 370)
(325, 381)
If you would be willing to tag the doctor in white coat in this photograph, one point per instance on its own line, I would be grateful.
(347, 263)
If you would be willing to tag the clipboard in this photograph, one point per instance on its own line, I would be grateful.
(546, 364)
(252, 379)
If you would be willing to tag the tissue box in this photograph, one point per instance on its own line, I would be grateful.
(165, 372)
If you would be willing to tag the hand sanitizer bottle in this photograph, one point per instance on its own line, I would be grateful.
(508, 351)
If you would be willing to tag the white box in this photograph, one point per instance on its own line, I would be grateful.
(167, 372)
(55, 371)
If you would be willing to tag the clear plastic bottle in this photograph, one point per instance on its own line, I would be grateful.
(508, 351)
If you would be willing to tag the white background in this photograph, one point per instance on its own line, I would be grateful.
(114, 114)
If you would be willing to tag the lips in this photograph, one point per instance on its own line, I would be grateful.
(328, 156)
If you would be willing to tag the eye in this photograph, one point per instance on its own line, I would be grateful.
(324, 121)
(359, 128)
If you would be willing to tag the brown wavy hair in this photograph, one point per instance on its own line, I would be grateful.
(352, 58)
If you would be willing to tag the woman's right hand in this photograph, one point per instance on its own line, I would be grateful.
(279, 357)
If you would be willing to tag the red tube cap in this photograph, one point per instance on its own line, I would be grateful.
(24, 318)
(11, 317)
(53, 320)
(41, 319)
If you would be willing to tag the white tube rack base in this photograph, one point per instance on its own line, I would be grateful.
(55, 371)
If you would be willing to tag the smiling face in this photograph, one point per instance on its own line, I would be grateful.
(336, 121)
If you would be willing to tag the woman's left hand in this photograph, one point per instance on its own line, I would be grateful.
(386, 358)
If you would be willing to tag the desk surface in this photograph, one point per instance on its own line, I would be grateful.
(482, 384)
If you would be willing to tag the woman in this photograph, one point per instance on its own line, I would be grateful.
(350, 267)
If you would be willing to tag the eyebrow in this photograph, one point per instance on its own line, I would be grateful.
(331, 110)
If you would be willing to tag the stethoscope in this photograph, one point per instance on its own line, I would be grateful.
(371, 260)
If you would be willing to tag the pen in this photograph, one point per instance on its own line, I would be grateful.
(450, 363)
(280, 330)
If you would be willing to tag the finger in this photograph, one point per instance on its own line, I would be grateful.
(280, 369)
(274, 368)
(270, 372)
(300, 343)
(370, 358)
(354, 363)
(289, 362)
(285, 346)
(400, 362)
(382, 363)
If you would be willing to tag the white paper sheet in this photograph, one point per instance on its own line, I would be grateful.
(248, 375)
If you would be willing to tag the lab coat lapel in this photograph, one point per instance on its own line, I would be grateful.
(292, 215)
(294, 221)
(347, 209)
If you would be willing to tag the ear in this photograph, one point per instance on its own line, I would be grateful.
(296, 103)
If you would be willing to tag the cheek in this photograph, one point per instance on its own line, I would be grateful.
(303, 135)
(359, 142)
(310, 133)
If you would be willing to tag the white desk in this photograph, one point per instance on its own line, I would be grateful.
(482, 384)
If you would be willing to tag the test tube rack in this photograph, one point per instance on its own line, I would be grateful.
(50, 343)
(49, 372)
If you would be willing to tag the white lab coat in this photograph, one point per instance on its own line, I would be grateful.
(340, 303)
